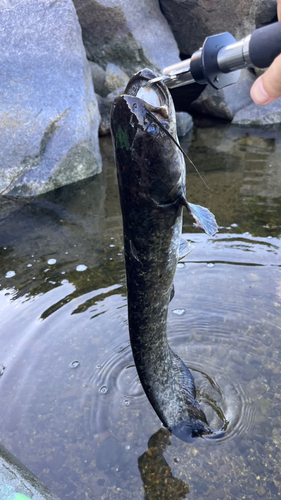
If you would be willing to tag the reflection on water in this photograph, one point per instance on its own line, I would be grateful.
(158, 480)
(73, 409)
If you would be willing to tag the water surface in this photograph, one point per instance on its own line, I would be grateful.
(73, 410)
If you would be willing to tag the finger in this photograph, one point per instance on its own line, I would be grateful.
(267, 87)
(279, 9)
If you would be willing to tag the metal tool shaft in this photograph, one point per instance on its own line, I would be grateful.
(221, 58)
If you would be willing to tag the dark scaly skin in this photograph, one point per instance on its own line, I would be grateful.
(151, 177)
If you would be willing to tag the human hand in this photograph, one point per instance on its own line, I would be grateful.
(267, 88)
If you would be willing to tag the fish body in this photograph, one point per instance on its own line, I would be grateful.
(151, 178)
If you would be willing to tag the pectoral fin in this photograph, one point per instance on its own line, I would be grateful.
(185, 248)
(205, 220)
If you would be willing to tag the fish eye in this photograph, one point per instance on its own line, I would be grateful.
(151, 129)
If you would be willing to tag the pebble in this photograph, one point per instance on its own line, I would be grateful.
(81, 268)
(51, 262)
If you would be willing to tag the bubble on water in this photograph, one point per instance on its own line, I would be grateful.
(177, 460)
(210, 264)
(112, 246)
(127, 402)
(74, 364)
(81, 268)
(180, 265)
(66, 253)
(103, 389)
(51, 262)
(128, 447)
(64, 282)
(29, 265)
(179, 312)
(10, 274)
(234, 225)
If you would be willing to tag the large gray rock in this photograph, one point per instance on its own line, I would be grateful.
(266, 13)
(105, 105)
(234, 104)
(133, 34)
(98, 77)
(49, 116)
(184, 123)
(18, 482)
(225, 103)
(193, 20)
(254, 115)
(114, 78)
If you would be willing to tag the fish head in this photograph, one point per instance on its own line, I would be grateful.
(143, 124)
(191, 428)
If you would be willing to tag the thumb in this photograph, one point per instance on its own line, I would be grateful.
(267, 87)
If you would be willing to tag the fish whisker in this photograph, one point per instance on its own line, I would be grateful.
(177, 144)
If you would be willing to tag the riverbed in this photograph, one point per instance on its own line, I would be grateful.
(72, 408)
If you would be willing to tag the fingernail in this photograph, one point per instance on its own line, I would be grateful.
(258, 94)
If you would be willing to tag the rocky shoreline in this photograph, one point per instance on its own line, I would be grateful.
(63, 63)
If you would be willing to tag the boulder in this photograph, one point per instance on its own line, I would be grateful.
(49, 115)
(184, 123)
(266, 13)
(133, 34)
(98, 77)
(225, 103)
(234, 104)
(254, 115)
(114, 78)
(192, 21)
(19, 483)
(105, 105)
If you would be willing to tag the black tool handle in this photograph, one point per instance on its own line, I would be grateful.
(221, 58)
(265, 45)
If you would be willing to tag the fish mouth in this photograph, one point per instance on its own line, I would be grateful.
(155, 98)
(156, 94)
(151, 104)
(187, 430)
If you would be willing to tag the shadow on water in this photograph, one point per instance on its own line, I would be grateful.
(73, 408)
